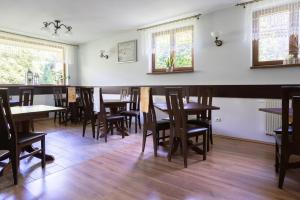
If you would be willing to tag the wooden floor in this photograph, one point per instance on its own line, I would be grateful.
(85, 168)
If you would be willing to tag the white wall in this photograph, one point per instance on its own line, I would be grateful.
(229, 64)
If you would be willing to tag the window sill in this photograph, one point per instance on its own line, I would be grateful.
(275, 66)
(174, 72)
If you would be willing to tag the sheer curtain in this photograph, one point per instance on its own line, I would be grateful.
(48, 60)
(164, 32)
(277, 14)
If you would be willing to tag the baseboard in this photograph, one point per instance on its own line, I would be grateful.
(243, 139)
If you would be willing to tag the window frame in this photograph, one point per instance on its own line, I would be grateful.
(172, 51)
(293, 40)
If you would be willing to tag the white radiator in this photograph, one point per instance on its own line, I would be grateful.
(273, 121)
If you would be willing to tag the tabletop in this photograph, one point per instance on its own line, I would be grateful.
(277, 111)
(188, 107)
(31, 112)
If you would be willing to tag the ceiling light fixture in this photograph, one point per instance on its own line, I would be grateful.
(57, 26)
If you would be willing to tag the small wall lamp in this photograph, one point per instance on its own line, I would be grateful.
(216, 35)
(103, 54)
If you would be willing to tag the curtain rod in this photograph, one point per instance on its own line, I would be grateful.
(244, 4)
(31, 37)
(170, 22)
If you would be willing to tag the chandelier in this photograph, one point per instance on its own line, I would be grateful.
(57, 27)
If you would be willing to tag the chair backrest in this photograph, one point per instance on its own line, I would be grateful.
(148, 114)
(26, 96)
(124, 93)
(287, 94)
(204, 96)
(102, 111)
(134, 98)
(176, 109)
(87, 101)
(58, 96)
(8, 136)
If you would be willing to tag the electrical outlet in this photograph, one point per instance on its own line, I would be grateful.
(218, 119)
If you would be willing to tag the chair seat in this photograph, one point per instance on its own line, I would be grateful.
(279, 136)
(195, 130)
(163, 125)
(201, 122)
(131, 112)
(115, 118)
(24, 138)
(279, 130)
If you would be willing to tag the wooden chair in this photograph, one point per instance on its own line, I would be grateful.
(89, 116)
(288, 141)
(108, 121)
(150, 122)
(26, 95)
(204, 96)
(60, 101)
(9, 140)
(181, 132)
(134, 108)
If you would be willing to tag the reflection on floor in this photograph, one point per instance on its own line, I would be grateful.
(85, 168)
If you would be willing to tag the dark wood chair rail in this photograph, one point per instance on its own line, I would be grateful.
(263, 91)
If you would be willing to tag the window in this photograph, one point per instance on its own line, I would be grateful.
(275, 35)
(173, 49)
(17, 56)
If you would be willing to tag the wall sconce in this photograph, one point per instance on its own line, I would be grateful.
(216, 35)
(103, 54)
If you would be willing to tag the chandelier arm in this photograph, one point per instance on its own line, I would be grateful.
(67, 27)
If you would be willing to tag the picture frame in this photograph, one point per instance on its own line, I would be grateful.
(127, 51)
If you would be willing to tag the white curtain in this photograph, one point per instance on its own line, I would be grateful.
(281, 17)
(40, 51)
(164, 31)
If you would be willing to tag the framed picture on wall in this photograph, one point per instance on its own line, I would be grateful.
(127, 51)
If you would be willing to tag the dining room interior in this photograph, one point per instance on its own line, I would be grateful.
(194, 99)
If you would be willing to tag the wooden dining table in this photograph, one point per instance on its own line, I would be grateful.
(191, 108)
(22, 115)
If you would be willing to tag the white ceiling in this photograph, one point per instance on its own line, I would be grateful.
(92, 18)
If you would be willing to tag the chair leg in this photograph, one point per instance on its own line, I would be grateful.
(282, 170)
(93, 123)
(111, 125)
(276, 158)
(123, 129)
(14, 157)
(126, 121)
(139, 120)
(84, 127)
(43, 148)
(164, 136)
(144, 139)
(155, 142)
(98, 129)
(211, 134)
(184, 151)
(55, 113)
(207, 140)
(205, 144)
(136, 119)
(171, 145)
(130, 120)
